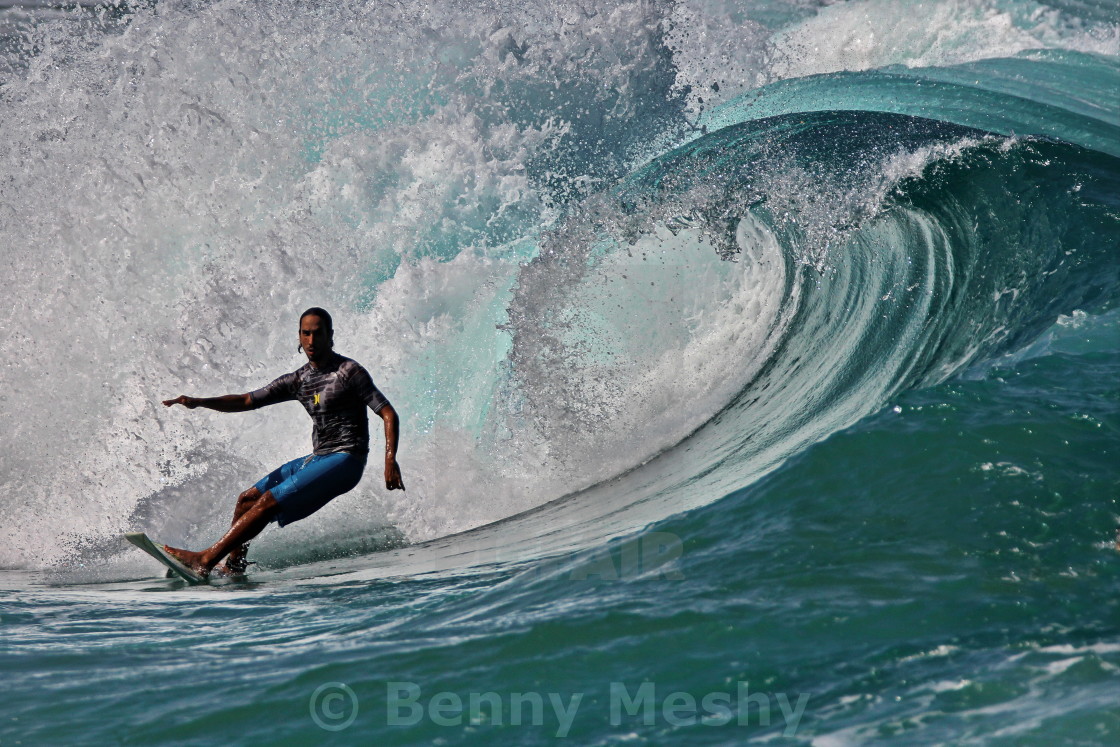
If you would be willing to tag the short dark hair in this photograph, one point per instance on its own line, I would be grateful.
(322, 314)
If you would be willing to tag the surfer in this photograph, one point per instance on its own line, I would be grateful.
(335, 391)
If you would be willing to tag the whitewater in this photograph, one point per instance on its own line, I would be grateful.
(756, 364)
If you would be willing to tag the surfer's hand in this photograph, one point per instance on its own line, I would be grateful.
(182, 399)
(393, 479)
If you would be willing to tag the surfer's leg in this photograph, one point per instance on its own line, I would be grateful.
(288, 494)
(237, 561)
(247, 526)
(245, 501)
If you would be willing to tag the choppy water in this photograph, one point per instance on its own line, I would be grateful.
(757, 365)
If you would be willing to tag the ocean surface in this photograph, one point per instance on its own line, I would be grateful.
(758, 365)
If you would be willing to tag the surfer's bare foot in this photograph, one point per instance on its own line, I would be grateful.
(192, 560)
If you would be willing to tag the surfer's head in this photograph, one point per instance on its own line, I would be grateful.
(316, 334)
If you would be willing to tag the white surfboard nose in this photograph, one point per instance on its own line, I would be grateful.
(142, 541)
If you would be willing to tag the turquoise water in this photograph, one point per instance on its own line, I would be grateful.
(757, 366)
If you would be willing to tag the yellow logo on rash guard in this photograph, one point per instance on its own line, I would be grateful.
(316, 400)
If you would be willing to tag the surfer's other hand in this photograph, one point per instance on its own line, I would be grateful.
(182, 399)
(393, 480)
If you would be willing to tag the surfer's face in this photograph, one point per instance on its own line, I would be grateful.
(314, 338)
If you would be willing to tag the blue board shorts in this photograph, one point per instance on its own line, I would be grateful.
(304, 485)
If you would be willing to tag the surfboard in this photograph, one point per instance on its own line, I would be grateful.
(142, 541)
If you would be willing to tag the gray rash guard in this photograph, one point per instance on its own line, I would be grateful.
(335, 395)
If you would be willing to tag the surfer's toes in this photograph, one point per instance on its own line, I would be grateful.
(190, 559)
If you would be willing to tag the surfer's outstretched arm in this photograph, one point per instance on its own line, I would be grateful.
(393, 479)
(225, 403)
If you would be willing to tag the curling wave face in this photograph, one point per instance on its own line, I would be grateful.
(893, 252)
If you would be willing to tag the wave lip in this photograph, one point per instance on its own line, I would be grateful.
(1056, 93)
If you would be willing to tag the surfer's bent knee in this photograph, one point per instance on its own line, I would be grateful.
(249, 496)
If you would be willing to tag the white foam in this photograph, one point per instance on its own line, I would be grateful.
(720, 52)
(879, 33)
(177, 191)
(176, 194)
(638, 345)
